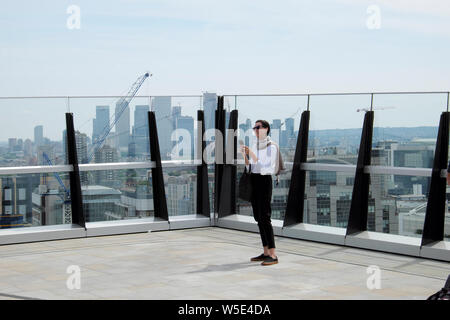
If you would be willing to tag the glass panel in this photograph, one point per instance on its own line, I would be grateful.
(328, 197)
(105, 131)
(405, 129)
(209, 106)
(334, 137)
(28, 200)
(176, 119)
(109, 130)
(405, 133)
(397, 204)
(181, 190)
(117, 195)
(408, 123)
(32, 131)
(335, 128)
(279, 194)
(283, 114)
(128, 194)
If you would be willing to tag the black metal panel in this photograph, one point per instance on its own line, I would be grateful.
(202, 170)
(219, 152)
(227, 205)
(357, 220)
(433, 229)
(159, 193)
(295, 202)
(43, 213)
(78, 215)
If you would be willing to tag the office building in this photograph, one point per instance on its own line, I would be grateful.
(122, 133)
(209, 109)
(140, 131)
(100, 123)
(162, 109)
(38, 136)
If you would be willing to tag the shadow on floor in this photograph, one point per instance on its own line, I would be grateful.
(17, 297)
(227, 267)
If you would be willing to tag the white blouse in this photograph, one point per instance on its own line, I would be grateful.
(267, 160)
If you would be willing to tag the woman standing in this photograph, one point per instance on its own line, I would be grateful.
(265, 160)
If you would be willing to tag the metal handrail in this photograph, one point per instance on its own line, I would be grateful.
(96, 167)
(233, 95)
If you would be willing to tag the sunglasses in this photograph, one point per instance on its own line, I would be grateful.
(257, 127)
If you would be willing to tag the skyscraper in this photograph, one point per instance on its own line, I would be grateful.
(122, 118)
(276, 124)
(81, 143)
(140, 129)
(248, 123)
(209, 108)
(101, 122)
(162, 109)
(275, 131)
(38, 136)
(176, 112)
(187, 123)
(106, 154)
(27, 147)
(289, 127)
(286, 136)
(12, 142)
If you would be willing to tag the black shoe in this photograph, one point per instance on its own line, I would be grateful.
(269, 261)
(261, 257)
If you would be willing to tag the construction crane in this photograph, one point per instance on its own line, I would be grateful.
(65, 196)
(123, 103)
(49, 162)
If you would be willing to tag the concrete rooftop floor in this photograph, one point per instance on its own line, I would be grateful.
(208, 263)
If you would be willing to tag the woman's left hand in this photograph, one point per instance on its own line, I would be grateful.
(245, 149)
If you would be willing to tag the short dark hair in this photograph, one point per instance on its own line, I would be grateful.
(265, 124)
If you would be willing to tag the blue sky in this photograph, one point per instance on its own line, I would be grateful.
(224, 46)
(228, 47)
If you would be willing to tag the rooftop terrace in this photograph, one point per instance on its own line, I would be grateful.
(357, 179)
(209, 263)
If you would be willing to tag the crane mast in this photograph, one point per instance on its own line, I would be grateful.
(123, 103)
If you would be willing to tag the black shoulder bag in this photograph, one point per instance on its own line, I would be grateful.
(245, 184)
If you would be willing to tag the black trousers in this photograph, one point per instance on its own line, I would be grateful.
(261, 198)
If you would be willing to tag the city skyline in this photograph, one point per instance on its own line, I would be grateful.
(346, 139)
(390, 111)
